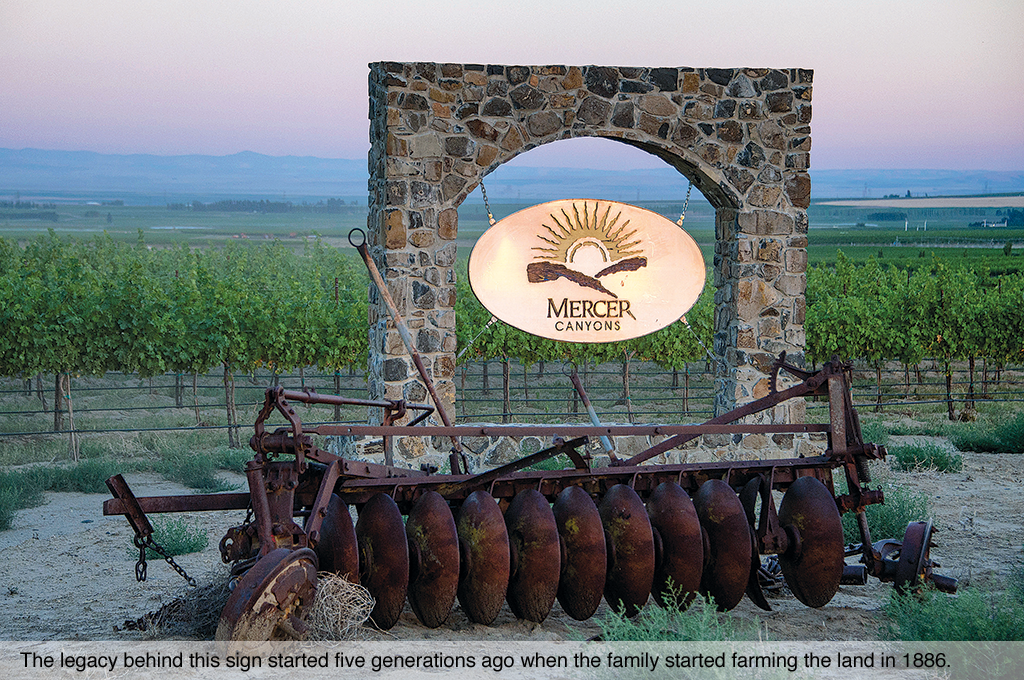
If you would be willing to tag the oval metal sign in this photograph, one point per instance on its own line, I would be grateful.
(586, 271)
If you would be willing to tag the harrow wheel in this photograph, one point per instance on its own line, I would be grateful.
(534, 555)
(727, 568)
(813, 564)
(679, 546)
(584, 561)
(270, 600)
(433, 559)
(914, 566)
(383, 558)
(483, 557)
(337, 550)
(630, 542)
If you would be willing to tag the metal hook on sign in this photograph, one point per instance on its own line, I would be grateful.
(362, 238)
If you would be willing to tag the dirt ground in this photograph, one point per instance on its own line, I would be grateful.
(68, 571)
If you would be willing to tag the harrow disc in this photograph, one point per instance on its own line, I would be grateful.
(270, 600)
(584, 561)
(433, 559)
(383, 558)
(813, 564)
(727, 570)
(337, 550)
(630, 542)
(748, 499)
(534, 554)
(679, 546)
(483, 557)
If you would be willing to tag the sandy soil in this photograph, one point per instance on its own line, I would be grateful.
(69, 571)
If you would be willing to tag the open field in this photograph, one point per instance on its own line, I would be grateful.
(1004, 201)
(932, 224)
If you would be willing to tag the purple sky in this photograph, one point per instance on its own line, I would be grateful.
(897, 83)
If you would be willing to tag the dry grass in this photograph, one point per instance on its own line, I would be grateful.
(193, 616)
(339, 609)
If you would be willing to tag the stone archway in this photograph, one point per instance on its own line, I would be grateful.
(742, 136)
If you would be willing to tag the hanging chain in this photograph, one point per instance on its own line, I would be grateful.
(140, 566)
(686, 204)
(696, 337)
(476, 337)
(487, 206)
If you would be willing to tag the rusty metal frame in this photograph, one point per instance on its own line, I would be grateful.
(280, 490)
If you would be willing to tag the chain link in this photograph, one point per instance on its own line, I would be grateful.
(140, 566)
(686, 204)
(487, 206)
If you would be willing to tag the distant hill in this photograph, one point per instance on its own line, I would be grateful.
(143, 178)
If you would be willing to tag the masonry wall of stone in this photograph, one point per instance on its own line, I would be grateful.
(742, 136)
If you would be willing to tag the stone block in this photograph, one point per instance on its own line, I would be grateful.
(526, 97)
(451, 186)
(394, 229)
(513, 140)
(779, 102)
(573, 79)
(395, 370)
(658, 105)
(755, 442)
(764, 195)
(623, 115)
(411, 448)
(486, 155)
(445, 255)
(543, 123)
(424, 238)
(792, 284)
(796, 261)
(739, 178)
(798, 188)
(601, 80)
(753, 295)
(752, 156)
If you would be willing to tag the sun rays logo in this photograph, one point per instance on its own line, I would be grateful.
(586, 247)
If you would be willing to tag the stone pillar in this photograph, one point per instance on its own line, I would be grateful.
(760, 280)
(411, 237)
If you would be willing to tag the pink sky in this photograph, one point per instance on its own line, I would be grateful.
(898, 83)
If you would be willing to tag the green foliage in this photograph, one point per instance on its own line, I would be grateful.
(925, 457)
(971, 615)
(701, 621)
(24, 488)
(889, 519)
(875, 432)
(87, 307)
(177, 535)
(194, 470)
(1003, 437)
